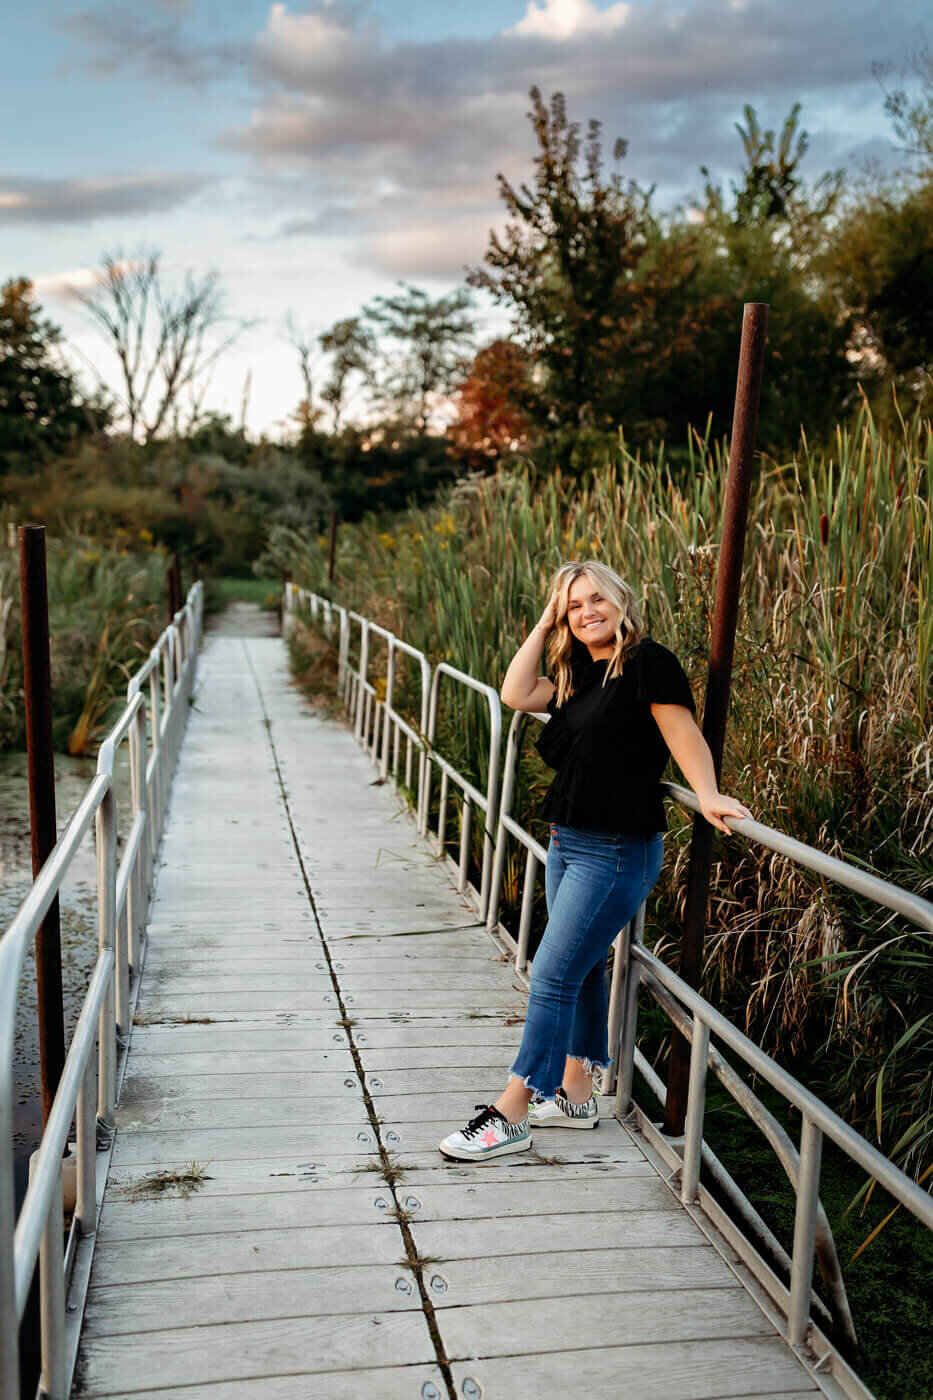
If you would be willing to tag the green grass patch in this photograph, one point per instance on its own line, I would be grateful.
(267, 592)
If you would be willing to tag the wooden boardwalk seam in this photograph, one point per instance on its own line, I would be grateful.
(294, 895)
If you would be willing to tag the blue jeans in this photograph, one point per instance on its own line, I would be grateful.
(595, 882)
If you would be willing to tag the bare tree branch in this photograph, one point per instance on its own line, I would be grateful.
(163, 341)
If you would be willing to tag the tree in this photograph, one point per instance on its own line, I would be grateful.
(303, 343)
(352, 346)
(490, 422)
(880, 265)
(42, 409)
(164, 342)
(431, 337)
(765, 245)
(772, 192)
(589, 282)
(912, 117)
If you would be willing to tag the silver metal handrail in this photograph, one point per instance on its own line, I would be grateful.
(368, 712)
(88, 1086)
(471, 795)
(379, 727)
(818, 1120)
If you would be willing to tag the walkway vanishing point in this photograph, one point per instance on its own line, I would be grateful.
(317, 1001)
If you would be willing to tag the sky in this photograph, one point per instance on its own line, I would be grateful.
(316, 155)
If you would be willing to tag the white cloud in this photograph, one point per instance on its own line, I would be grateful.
(34, 199)
(563, 19)
(67, 286)
(439, 250)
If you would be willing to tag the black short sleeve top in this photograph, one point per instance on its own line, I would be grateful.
(605, 745)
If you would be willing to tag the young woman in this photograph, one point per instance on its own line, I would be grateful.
(620, 705)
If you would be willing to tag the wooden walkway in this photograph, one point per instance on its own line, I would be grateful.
(317, 1000)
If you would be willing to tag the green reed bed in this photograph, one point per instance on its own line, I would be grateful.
(830, 732)
(106, 609)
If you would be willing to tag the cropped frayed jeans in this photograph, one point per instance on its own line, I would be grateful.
(595, 882)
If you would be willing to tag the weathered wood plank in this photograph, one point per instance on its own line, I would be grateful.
(218, 1037)
(203, 1214)
(140, 1085)
(273, 979)
(427, 1001)
(634, 1188)
(181, 1145)
(603, 1272)
(676, 1315)
(387, 1383)
(737, 1369)
(311, 1067)
(263, 1176)
(479, 1239)
(227, 1298)
(154, 1114)
(369, 988)
(126, 1262)
(237, 1351)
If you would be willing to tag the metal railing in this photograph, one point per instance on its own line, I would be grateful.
(87, 1090)
(635, 968)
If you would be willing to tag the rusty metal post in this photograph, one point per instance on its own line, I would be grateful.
(715, 709)
(179, 590)
(37, 691)
(332, 557)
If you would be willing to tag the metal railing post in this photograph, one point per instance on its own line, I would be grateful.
(106, 832)
(86, 1202)
(364, 666)
(524, 922)
(696, 1104)
(632, 934)
(139, 879)
(155, 796)
(616, 992)
(390, 690)
(512, 745)
(808, 1196)
(53, 1382)
(9, 1328)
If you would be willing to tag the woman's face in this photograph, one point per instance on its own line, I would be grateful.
(591, 617)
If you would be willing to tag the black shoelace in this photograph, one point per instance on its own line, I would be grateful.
(482, 1120)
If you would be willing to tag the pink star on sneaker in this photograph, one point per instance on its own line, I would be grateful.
(489, 1138)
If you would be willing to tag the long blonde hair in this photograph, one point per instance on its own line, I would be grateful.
(629, 630)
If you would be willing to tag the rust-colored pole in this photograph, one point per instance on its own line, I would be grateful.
(37, 691)
(716, 707)
(332, 557)
(170, 591)
(179, 590)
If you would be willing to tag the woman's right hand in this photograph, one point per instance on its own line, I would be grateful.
(549, 617)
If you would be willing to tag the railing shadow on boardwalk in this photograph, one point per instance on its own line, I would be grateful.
(152, 724)
(383, 733)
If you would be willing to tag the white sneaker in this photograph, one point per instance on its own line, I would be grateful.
(488, 1135)
(559, 1112)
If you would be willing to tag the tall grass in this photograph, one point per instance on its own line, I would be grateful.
(830, 732)
(105, 611)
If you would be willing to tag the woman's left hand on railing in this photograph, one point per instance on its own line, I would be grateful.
(717, 805)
